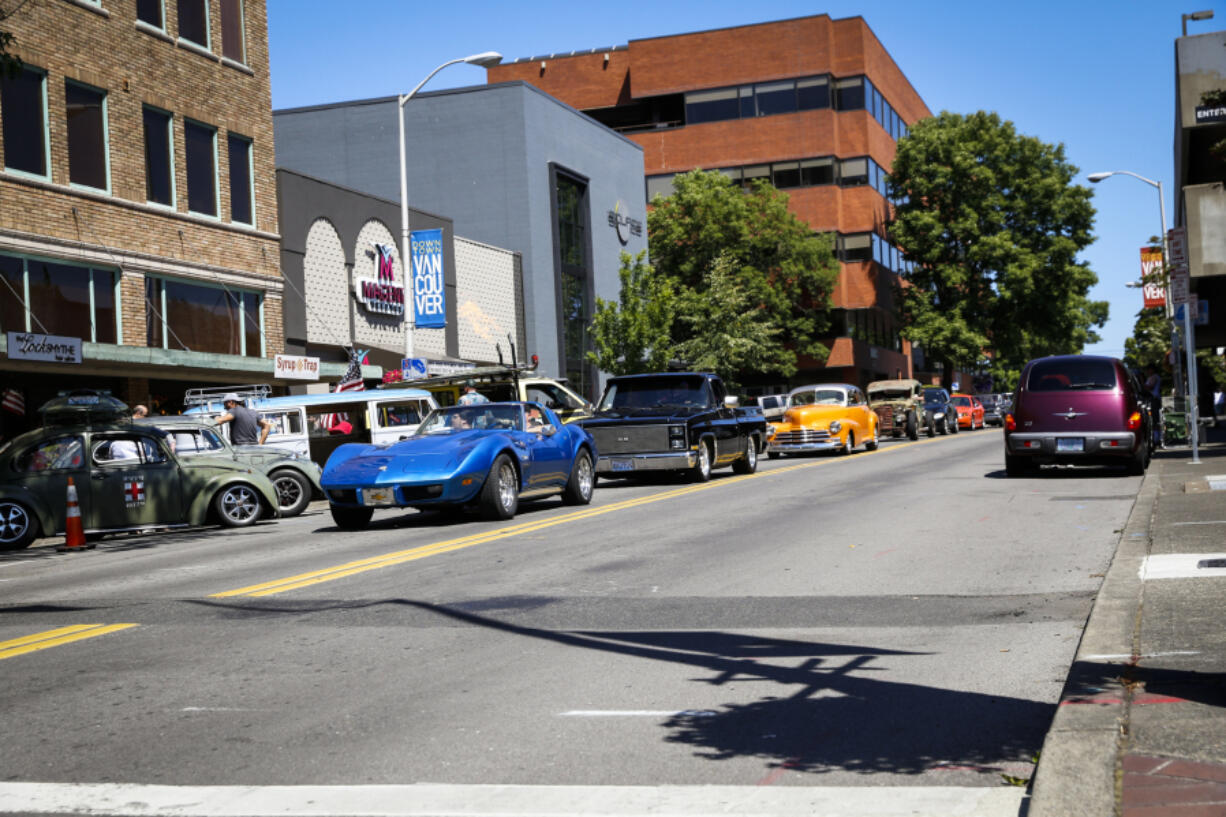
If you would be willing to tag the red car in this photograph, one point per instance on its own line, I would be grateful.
(1078, 409)
(970, 411)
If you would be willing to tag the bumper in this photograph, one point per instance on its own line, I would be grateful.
(400, 495)
(833, 444)
(631, 463)
(1073, 446)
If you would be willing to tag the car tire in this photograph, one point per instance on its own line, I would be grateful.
(912, 426)
(18, 526)
(1137, 463)
(702, 471)
(351, 518)
(953, 426)
(293, 492)
(872, 443)
(748, 463)
(500, 494)
(931, 426)
(1018, 466)
(849, 444)
(582, 482)
(237, 506)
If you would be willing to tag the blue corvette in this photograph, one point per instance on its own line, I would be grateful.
(489, 454)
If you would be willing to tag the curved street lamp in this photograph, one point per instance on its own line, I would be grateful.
(1188, 342)
(485, 59)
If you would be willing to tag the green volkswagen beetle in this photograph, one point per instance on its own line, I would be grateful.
(127, 477)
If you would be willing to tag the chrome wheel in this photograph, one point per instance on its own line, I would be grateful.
(500, 495)
(579, 489)
(293, 492)
(16, 527)
(238, 506)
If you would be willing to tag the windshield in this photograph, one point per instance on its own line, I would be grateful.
(962, 401)
(934, 396)
(655, 392)
(821, 397)
(479, 417)
(1077, 374)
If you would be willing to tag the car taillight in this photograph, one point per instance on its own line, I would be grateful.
(1134, 422)
(1010, 423)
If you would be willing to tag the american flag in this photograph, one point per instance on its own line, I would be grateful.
(14, 401)
(350, 381)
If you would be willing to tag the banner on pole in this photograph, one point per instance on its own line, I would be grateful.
(429, 297)
(1151, 266)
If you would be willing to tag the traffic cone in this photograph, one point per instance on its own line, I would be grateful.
(74, 533)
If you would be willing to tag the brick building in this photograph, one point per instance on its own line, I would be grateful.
(813, 104)
(138, 211)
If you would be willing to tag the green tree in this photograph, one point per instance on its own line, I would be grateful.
(781, 268)
(634, 334)
(1150, 341)
(10, 64)
(726, 332)
(992, 222)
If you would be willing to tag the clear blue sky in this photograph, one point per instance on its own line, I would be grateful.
(1097, 77)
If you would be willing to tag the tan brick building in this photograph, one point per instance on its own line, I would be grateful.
(813, 104)
(138, 212)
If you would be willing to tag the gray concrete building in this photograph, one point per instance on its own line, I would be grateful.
(511, 167)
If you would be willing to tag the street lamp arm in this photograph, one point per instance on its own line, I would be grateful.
(1098, 177)
(406, 97)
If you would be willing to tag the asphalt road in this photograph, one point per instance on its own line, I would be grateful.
(841, 635)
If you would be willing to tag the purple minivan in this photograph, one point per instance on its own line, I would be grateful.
(1077, 409)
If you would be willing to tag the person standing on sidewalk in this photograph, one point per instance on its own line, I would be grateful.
(1153, 388)
(471, 395)
(246, 427)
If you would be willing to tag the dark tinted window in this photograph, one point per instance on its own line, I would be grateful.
(232, 30)
(25, 140)
(817, 171)
(12, 293)
(240, 179)
(158, 166)
(786, 175)
(150, 11)
(201, 169)
(711, 106)
(1072, 374)
(813, 93)
(194, 21)
(776, 97)
(849, 94)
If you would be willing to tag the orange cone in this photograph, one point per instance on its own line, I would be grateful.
(74, 533)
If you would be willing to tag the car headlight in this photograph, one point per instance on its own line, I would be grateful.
(835, 426)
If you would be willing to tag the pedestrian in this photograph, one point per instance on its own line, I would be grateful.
(471, 395)
(139, 411)
(1153, 388)
(246, 427)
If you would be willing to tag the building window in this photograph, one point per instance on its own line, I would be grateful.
(857, 247)
(241, 191)
(159, 157)
(660, 186)
(775, 97)
(49, 297)
(200, 143)
(200, 318)
(87, 159)
(813, 93)
(853, 172)
(150, 12)
(575, 289)
(849, 94)
(785, 175)
(711, 106)
(23, 107)
(233, 45)
(194, 21)
(817, 171)
(754, 172)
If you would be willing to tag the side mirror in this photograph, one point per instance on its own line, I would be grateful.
(732, 401)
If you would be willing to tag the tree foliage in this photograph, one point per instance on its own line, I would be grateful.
(633, 335)
(993, 223)
(10, 63)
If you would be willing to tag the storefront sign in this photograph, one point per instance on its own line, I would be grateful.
(1210, 113)
(45, 348)
(624, 225)
(1151, 269)
(381, 294)
(429, 301)
(296, 367)
(413, 368)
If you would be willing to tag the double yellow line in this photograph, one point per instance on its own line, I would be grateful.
(54, 638)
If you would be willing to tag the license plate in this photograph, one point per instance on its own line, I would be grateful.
(623, 465)
(1070, 443)
(378, 496)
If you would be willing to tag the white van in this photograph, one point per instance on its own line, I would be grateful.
(313, 425)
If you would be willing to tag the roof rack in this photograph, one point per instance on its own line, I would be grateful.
(210, 394)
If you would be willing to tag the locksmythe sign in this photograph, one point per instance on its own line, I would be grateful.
(429, 300)
(43, 348)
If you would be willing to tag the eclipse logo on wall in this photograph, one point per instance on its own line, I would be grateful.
(624, 225)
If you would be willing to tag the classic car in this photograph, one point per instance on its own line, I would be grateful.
(1078, 409)
(940, 407)
(490, 455)
(970, 411)
(899, 405)
(674, 421)
(127, 477)
(294, 476)
(825, 417)
(993, 409)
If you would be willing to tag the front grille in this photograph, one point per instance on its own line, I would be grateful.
(649, 439)
(886, 415)
(806, 436)
(410, 493)
(347, 496)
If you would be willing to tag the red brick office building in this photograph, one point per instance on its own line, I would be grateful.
(816, 105)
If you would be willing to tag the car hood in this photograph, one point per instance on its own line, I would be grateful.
(426, 457)
(648, 414)
(1071, 411)
(805, 415)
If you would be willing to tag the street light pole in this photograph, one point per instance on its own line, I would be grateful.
(1188, 339)
(485, 59)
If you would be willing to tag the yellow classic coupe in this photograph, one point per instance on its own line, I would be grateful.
(825, 417)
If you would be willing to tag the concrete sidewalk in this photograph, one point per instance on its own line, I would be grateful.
(1141, 726)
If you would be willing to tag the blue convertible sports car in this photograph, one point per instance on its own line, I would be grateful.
(488, 454)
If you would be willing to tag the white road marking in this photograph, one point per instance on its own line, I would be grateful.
(638, 713)
(1125, 656)
(1181, 566)
(441, 800)
(1214, 522)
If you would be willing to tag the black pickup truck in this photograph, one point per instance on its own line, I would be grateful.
(674, 421)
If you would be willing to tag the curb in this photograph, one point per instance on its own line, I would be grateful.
(1078, 771)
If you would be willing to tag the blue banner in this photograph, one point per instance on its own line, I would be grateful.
(429, 299)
